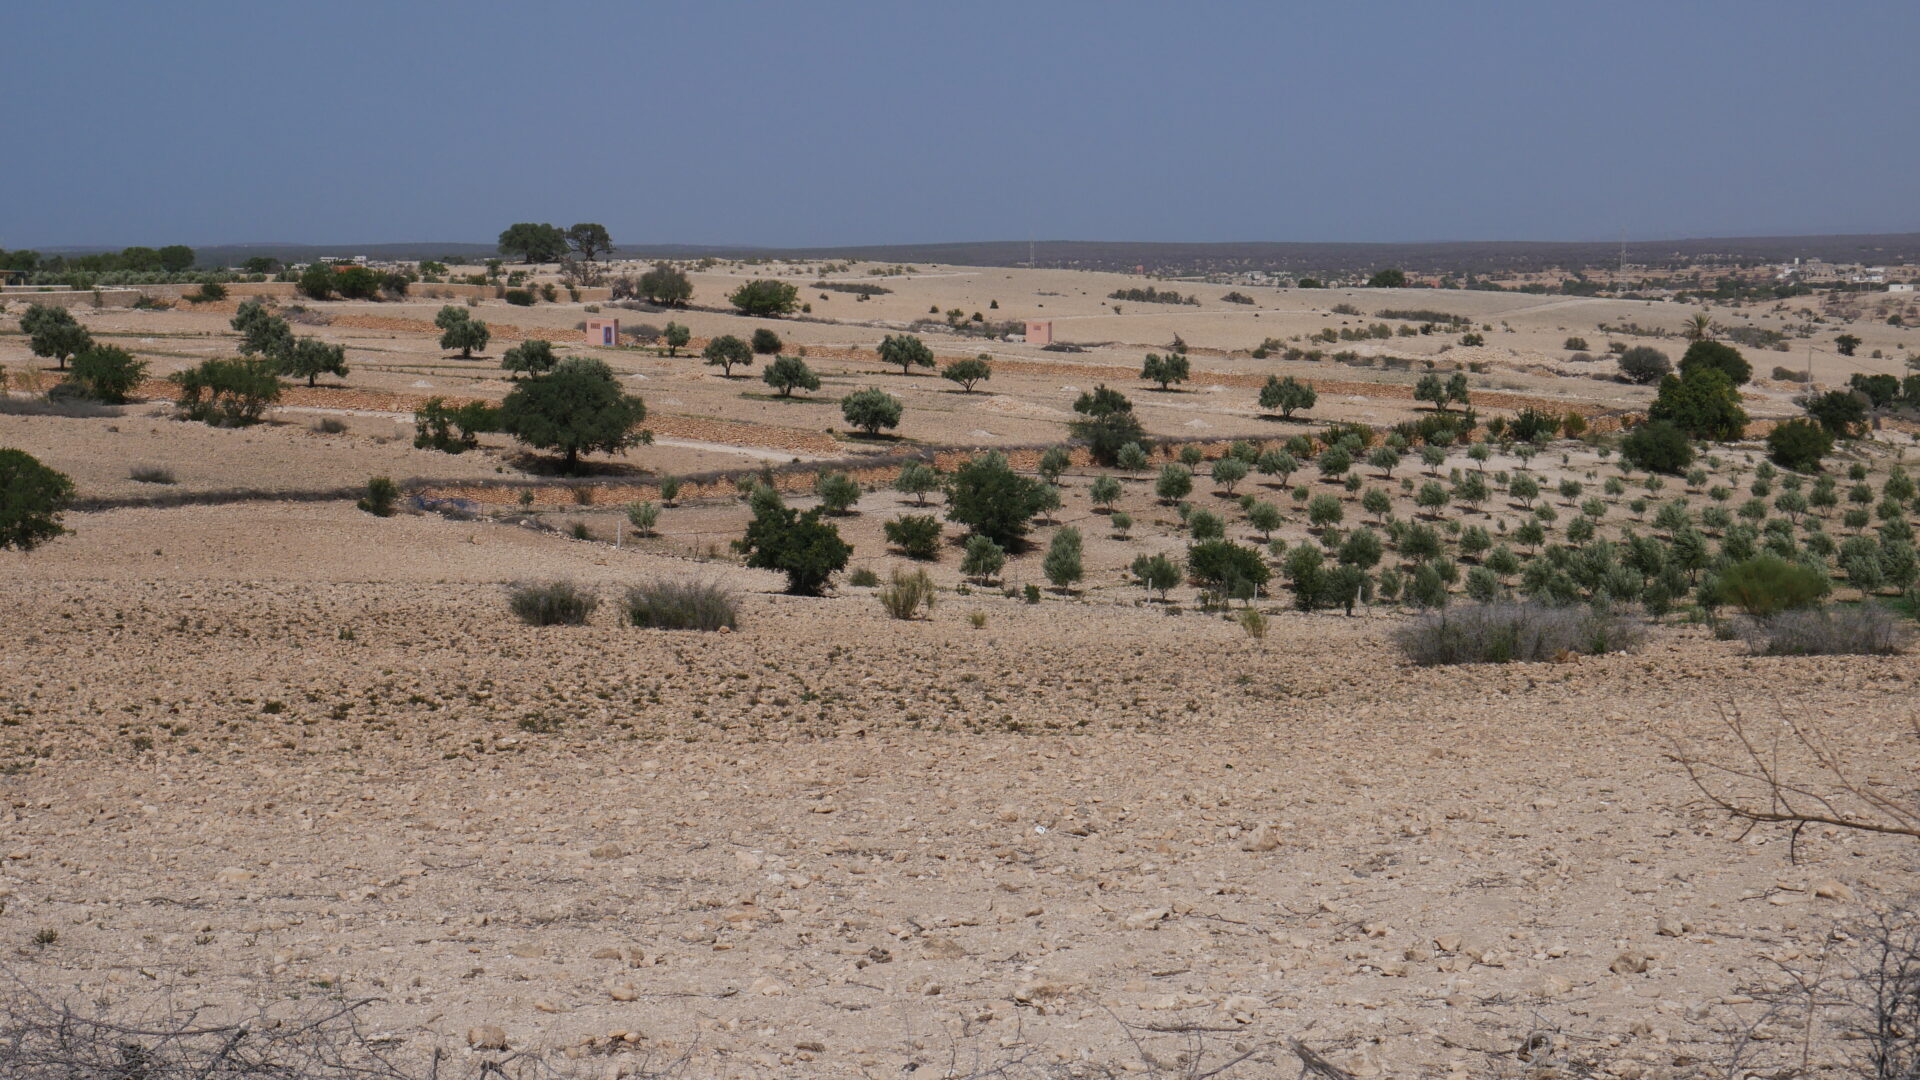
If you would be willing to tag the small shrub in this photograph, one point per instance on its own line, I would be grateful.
(330, 426)
(1866, 630)
(864, 578)
(1502, 633)
(644, 515)
(1254, 623)
(519, 297)
(917, 535)
(151, 474)
(551, 603)
(838, 492)
(681, 605)
(1766, 585)
(977, 619)
(983, 560)
(380, 497)
(906, 595)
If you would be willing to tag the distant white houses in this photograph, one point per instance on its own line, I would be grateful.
(1901, 286)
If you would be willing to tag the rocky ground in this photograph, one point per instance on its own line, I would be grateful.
(298, 751)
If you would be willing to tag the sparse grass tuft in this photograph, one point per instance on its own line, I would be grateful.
(682, 605)
(905, 595)
(1505, 633)
(1866, 630)
(151, 474)
(551, 603)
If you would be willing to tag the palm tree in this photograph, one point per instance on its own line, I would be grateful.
(1700, 327)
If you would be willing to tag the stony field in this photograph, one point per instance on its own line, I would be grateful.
(272, 751)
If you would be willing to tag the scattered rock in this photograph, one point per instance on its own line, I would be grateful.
(1631, 962)
(487, 1037)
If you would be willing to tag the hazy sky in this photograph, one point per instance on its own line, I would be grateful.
(850, 123)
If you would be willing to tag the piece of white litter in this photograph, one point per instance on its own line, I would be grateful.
(982, 433)
(1070, 389)
(422, 383)
(636, 375)
(1196, 422)
(1040, 830)
(1215, 388)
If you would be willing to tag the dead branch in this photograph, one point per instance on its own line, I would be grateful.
(1796, 777)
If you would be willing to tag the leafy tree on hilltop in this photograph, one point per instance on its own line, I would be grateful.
(533, 242)
(1389, 278)
(589, 239)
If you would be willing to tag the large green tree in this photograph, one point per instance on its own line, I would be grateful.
(1289, 395)
(262, 333)
(765, 298)
(1703, 402)
(309, 358)
(577, 408)
(987, 496)
(906, 350)
(107, 373)
(533, 242)
(1106, 424)
(666, 285)
(1721, 357)
(809, 551)
(32, 497)
(531, 357)
(725, 351)
(589, 239)
(459, 330)
(54, 333)
(175, 258)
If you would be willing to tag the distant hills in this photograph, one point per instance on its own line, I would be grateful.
(1464, 257)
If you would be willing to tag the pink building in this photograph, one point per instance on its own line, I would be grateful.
(603, 332)
(1039, 332)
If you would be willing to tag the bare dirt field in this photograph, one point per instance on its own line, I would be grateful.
(267, 750)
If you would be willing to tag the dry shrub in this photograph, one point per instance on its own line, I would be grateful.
(1506, 632)
(551, 603)
(1867, 630)
(904, 595)
(682, 605)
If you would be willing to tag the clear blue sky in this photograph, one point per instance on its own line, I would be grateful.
(852, 123)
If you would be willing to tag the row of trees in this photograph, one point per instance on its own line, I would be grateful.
(172, 259)
(539, 243)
